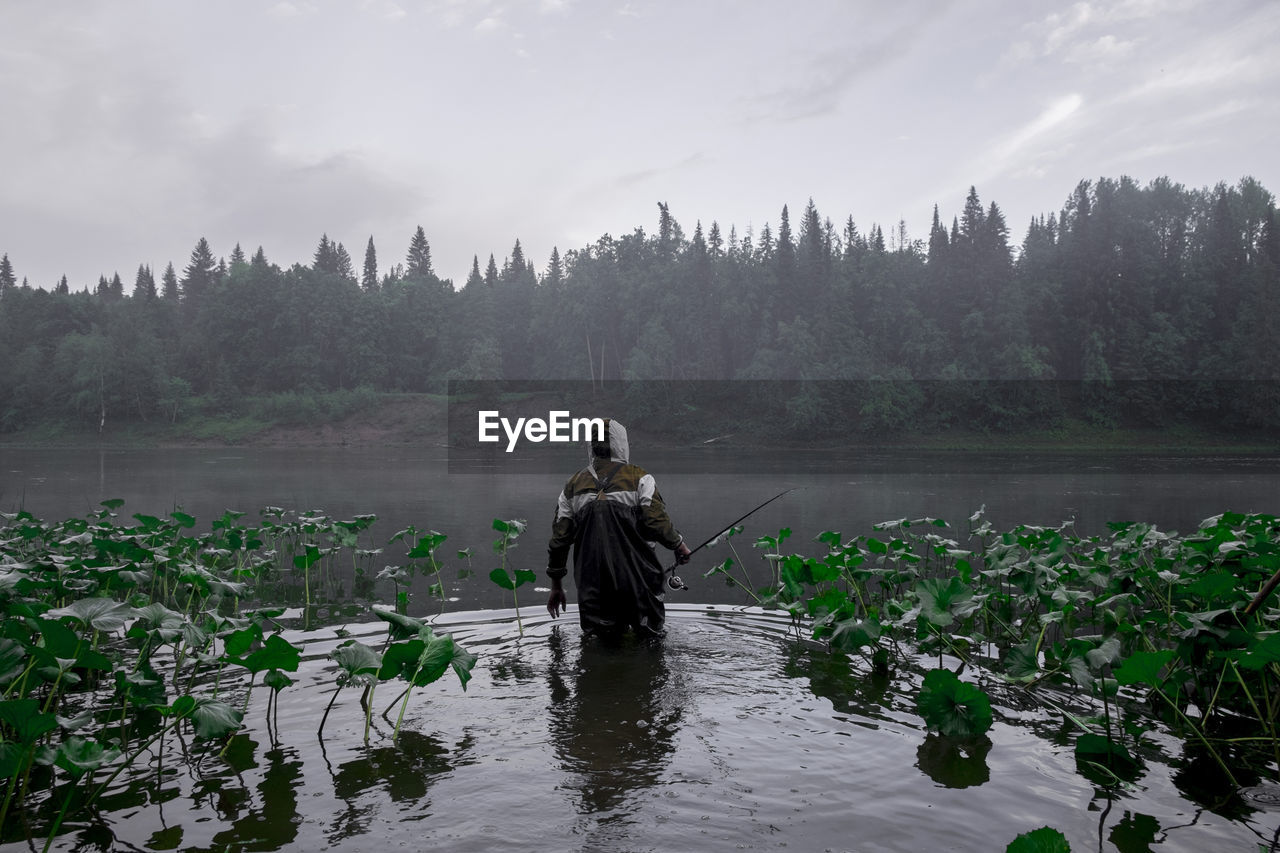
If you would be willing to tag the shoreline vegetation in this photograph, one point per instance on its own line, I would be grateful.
(368, 420)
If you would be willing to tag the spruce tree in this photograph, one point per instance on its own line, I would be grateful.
(168, 284)
(326, 256)
(369, 276)
(474, 279)
(342, 262)
(200, 273)
(7, 279)
(144, 284)
(555, 269)
(418, 263)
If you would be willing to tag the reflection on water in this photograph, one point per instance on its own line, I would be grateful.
(955, 762)
(613, 716)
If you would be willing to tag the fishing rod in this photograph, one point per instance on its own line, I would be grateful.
(674, 581)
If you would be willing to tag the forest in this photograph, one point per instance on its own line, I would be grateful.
(1146, 306)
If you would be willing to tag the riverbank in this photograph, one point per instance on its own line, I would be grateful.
(391, 420)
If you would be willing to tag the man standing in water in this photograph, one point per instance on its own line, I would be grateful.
(612, 515)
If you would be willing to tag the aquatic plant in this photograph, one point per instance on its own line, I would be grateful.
(1046, 839)
(109, 625)
(1153, 626)
(510, 531)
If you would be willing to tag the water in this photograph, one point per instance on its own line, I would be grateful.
(730, 735)
(849, 493)
(733, 734)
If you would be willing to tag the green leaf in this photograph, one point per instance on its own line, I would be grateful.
(26, 720)
(238, 642)
(502, 579)
(276, 680)
(1108, 652)
(852, 634)
(183, 519)
(1043, 840)
(524, 576)
(213, 719)
(1260, 652)
(1021, 663)
(113, 503)
(942, 603)
(1143, 668)
(101, 614)
(78, 756)
(276, 653)
(462, 663)
(400, 627)
(434, 661)
(13, 660)
(358, 662)
(953, 707)
(1099, 747)
(307, 559)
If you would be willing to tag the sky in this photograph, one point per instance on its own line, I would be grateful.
(131, 129)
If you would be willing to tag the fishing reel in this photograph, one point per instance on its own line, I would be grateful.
(675, 583)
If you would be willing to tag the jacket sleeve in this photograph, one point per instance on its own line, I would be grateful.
(562, 531)
(655, 524)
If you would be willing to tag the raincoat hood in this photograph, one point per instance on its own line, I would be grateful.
(619, 448)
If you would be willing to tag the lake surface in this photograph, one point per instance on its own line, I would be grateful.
(732, 734)
(843, 492)
(729, 735)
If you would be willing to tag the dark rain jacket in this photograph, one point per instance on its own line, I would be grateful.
(611, 515)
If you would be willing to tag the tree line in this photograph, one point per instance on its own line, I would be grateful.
(1153, 304)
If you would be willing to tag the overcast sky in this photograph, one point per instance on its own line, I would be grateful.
(128, 130)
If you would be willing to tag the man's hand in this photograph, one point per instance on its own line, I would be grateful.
(682, 554)
(556, 600)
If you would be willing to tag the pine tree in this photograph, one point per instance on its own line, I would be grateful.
(144, 284)
(474, 279)
(418, 262)
(938, 241)
(516, 263)
(342, 262)
(555, 269)
(168, 284)
(237, 255)
(62, 287)
(200, 273)
(7, 279)
(369, 276)
(326, 256)
(715, 243)
(491, 272)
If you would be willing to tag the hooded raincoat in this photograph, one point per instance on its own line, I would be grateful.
(611, 515)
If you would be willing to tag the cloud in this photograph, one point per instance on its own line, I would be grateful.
(828, 75)
(286, 9)
(1100, 52)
